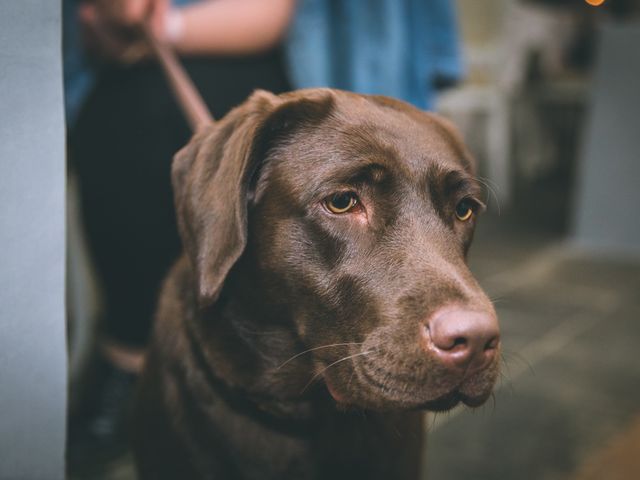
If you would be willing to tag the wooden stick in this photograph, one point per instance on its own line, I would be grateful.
(186, 93)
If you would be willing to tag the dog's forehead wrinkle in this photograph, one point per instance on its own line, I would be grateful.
(409, 124)
(303, 170)
(397, 145)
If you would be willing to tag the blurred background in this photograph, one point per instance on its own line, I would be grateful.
(546, 95)
(548, 106)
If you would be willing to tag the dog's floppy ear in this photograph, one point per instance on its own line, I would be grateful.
(210, 177)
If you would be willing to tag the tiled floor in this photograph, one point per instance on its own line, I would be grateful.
(568, 406)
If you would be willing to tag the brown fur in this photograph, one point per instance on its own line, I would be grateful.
(269, 273)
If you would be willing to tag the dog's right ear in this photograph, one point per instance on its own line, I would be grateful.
(210, 177)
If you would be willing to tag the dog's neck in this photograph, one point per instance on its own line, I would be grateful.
(243, 351)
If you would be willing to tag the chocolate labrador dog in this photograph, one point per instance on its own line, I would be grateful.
(323, 300)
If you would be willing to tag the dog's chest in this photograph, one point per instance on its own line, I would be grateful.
(337, 445)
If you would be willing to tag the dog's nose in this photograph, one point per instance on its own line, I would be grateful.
(463, 338)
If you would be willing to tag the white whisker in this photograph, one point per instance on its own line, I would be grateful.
(491, 190)
(317, 348)
(332, 364)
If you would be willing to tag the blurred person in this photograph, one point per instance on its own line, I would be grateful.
(407, 49)
(124, 127)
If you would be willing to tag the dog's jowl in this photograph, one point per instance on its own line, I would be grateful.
(323, 300)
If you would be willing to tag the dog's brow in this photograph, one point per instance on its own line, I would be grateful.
(451, 181)
(462, 182)
(352, 172)
(445, 184)
(365, 172)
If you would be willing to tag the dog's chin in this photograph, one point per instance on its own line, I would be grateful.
(372, 397)
(441, 404)
(453, 399)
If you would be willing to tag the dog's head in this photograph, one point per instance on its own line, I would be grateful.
(346, 218)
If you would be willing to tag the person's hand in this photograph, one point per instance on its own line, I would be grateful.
(113, 27)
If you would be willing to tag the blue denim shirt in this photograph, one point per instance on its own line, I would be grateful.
(389, 47)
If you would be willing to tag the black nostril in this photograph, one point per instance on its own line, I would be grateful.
(459, 343)
(492, 344)
(452, 345)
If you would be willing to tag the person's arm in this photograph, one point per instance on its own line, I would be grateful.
(111, 27)
(229, 26)
(211, 27)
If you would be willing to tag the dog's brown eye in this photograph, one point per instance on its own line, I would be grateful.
(341, 202)
(464, 209)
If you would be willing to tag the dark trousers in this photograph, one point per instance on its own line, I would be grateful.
(121, 148)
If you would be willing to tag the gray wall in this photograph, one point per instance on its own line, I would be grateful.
(608, 184)
(32, 176)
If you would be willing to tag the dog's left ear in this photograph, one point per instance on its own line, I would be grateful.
(211, 178)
